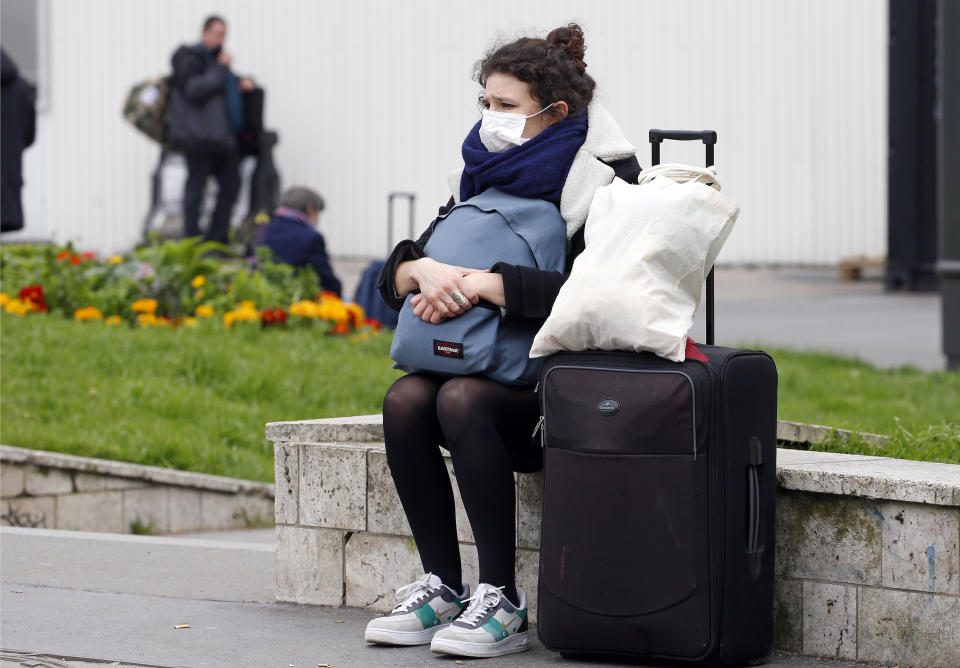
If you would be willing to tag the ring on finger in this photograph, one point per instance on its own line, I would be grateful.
(459, 298)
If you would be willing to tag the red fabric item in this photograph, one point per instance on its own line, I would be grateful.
(694, 353)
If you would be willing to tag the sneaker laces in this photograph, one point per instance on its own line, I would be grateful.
(485, 599)
(413, 593)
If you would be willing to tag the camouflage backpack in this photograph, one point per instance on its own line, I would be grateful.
(148, 108)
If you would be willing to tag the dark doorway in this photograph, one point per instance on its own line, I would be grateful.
(912, 174)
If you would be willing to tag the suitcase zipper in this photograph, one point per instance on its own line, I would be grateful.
(537, 428)
(693, 394)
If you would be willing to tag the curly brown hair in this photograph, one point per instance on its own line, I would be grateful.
(553, 67)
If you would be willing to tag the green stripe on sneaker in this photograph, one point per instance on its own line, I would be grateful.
(427, 616)
(495, 629)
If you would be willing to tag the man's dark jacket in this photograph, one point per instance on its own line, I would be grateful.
(296, 243)
(198, 107)
(18, 120)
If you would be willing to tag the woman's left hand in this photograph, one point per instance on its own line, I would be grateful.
(424, 310)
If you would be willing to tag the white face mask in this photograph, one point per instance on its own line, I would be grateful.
(500, 130)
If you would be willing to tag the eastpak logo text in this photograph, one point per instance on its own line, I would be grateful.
(448, 349)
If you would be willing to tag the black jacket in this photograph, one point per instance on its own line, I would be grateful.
(296, 243)
(528, 292)
(198, 107)
(18, 121)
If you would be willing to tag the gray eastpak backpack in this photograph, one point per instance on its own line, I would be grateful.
(488, 228)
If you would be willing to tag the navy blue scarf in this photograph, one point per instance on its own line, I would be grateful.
(536, 169)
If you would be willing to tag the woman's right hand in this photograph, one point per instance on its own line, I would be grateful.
(436, 282)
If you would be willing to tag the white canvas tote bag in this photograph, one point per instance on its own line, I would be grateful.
(637, 284)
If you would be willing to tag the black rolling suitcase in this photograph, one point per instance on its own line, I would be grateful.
(658, 506)
(367, 295)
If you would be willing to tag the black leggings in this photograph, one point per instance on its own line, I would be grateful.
(487, 428)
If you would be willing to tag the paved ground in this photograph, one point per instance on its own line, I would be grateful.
(808, 309)
(79, 599)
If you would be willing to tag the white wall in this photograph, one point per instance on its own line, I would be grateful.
(372, 96)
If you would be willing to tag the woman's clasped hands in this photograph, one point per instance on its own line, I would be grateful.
(446, 291)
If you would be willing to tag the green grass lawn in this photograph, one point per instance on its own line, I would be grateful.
(194, 399)
(197, 399)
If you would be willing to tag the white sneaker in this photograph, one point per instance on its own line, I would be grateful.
(491, 626)
(426, 606)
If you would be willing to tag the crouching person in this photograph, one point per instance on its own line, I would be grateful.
(293, 237)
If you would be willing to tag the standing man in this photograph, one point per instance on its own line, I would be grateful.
(206, 114)
(18, 120)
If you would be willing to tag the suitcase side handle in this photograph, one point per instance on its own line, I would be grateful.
(411, 198)
(708, 137)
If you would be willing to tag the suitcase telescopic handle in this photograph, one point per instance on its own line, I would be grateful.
(708, 137)
(411, 198)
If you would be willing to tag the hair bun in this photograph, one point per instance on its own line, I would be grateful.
(570, 39)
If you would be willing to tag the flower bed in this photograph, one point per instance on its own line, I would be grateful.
(172, 284)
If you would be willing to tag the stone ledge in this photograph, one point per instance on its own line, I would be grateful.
(356, 429)
(823, 472)
(154, 474)
(869, 477)
(369, 429)
(799, 432)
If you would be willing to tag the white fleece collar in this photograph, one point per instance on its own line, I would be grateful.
(605, 142)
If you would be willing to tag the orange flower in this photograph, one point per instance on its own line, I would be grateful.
(144, 306)
(340, 328)
(75, 260)
(355, 315)
(63, 255)
(88, 313)
(373, 324)
(203, 311)
(4, 299)
(113, 320)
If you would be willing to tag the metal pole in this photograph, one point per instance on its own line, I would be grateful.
(948, 174)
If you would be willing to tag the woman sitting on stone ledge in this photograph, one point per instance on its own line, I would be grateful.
(541, 138)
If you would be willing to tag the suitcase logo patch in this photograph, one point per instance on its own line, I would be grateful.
(608, 407)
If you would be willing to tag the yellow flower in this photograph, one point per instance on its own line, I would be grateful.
(4, 299)
(147, 319)
(198, 281)
(144, 306)
(245, 313)
(88, 313)
(190, 322)
(19, 307)
(305, 309)
(115, 259)
(335, 310)
(114, 320)
(203, 311)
